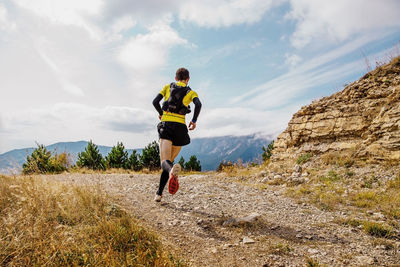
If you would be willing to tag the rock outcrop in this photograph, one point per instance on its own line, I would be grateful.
(363, 118)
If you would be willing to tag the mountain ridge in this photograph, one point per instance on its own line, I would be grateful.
(210, 151)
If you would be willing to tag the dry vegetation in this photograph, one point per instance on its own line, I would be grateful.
(243, 171)
(49, 224)
(339, 185)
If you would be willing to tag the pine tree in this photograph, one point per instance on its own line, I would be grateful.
(151, 156)
(91, 158)
(134, 162)
(267, 152)
(182, 162)
(193, 164)
(118, 157)
(38, 161)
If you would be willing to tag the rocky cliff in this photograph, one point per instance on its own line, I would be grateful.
(363, 118)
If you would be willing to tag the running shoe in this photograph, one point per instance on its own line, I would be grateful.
(157, 198)
(173, 184)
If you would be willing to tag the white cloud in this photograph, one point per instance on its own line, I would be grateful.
(5, 23)
(286, 88)
(67, 12)
(224, 13)
(123, 24)
(1, 123)
(144, 11)
(73, 121)
(310, 73)
(241, 121)
(147, 52)
(292, 59)
(65, 84)
(341, 19)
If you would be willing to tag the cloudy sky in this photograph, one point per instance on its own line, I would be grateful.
(77, 70)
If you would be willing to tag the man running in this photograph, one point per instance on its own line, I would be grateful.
(172, 129)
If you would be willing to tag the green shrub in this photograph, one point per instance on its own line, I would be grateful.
(41, 161)
(182, 162)
(193, 164)
(134, 162)
(60, 162)
(331, 177)
(267, 152)
(91, 158)
(303, 158)
(378, 229)
(118, 157)
(151, 156)
(310, 262)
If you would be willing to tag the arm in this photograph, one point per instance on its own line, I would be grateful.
(156, 104)
(197, 108)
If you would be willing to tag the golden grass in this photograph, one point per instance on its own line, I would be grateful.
(324, 191)
(345, 159)
(303, 158)
(243, 172)
(334, 191)
(372, 228)
(49, 224)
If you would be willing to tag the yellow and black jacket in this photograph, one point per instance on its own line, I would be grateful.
(176, 112)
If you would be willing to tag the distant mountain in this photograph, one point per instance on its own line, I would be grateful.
(210, 151)
(11, 161)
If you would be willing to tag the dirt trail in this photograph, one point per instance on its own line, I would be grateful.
(285, 234)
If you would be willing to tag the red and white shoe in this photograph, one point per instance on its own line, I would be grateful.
(173, 184)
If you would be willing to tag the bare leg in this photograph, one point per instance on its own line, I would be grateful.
(175, 151)
(165, 149)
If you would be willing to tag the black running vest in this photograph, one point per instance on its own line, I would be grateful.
(174, 103)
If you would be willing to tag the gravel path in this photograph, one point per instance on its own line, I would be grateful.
(201, 222)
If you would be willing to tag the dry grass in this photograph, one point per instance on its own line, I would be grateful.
(342, 159)
(386, 200)
(340, 190)
(326, 191)
(303, 158)
(280, 249)
(372, 228)
(243, 172)
(48, 224)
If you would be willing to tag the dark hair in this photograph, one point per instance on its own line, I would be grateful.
(182, 74)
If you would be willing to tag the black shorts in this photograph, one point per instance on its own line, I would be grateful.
(174, 131)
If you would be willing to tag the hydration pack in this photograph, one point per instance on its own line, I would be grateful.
(174, 103)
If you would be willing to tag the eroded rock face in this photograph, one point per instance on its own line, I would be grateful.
(363, 117)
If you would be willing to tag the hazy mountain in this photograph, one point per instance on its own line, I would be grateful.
(12, 161)
(210, 151)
